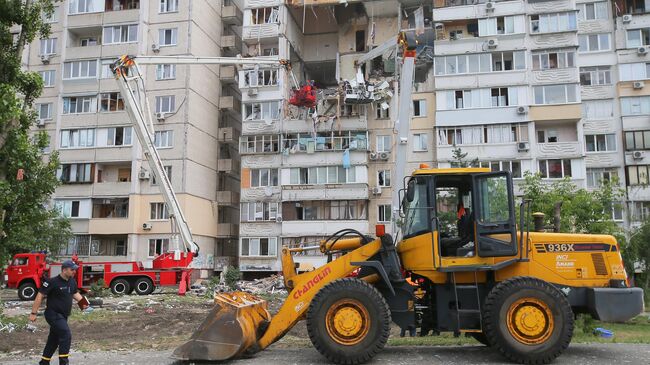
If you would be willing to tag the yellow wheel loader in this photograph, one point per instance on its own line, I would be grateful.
(461, 266)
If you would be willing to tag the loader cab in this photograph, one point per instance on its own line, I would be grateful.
(468, 212)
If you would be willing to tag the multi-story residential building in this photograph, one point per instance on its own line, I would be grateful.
(309, 173)
(115, 207)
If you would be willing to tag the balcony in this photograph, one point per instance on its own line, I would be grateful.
(262, 127)
(559, 149)
(325, 192)
(111, 188)
(228, 165)
(228, 135)
(225, 230)
(231, 43)
(539, 7)
(318, 228)
(555, 112)
(228, 74)
(228, 198)
(111, 226)
(472, 9)
(231, 15)
(73, 53)
(556, 76)
(252, 34)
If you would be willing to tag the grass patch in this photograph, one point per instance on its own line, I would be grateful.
(636, 330)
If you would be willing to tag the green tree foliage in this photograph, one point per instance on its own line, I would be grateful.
(27, 223)
(639, 253)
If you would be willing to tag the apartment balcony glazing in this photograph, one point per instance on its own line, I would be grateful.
(93, 12)
(446, 10)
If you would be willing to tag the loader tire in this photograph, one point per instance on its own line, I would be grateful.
(348, 321)
(528, 320)
(120, 287)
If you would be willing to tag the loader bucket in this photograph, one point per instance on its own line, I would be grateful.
(229, 330)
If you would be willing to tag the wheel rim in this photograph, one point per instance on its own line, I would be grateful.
(143, 286)
(530, 321)
(347, 322)
(120, 288)
(28, 292)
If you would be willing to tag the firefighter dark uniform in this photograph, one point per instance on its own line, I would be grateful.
(59, 304)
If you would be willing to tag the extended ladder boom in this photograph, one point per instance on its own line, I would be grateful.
(132, 88)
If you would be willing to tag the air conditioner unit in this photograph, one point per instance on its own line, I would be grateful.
(144, 175)
(489, 6)
(40, 122)
(637, 155)
(160, 117)
(627, 18)
(642, 50)
(384, 156)
(373, 156)
(492, 43)
(523, 146)
(278, 219)
(45, 58)
(155, 48)
(638, 84)
(147, 226)
(252, 91)
(522, 109)
(376, 190)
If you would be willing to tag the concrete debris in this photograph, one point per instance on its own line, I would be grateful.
(8, 327)
(271, 285)
(125, 305)
(12, 304)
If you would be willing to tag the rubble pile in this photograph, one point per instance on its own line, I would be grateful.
(271, 285)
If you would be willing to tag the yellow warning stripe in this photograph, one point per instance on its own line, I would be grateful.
(64, 355)
(46, 358)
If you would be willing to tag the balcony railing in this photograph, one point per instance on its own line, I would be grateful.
(359, 143)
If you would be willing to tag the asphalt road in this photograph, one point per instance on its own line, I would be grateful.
(579, 354)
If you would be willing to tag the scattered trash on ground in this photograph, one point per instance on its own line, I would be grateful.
(604, 333)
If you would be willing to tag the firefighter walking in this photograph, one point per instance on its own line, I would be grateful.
(59, 291)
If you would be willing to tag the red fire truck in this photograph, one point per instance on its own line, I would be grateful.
(28, 270)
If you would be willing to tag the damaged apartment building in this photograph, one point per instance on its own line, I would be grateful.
(309, 171)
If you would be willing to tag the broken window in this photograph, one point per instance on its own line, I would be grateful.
(360, 41)
(262, 111)
(265, 15)
(111, 208)
(325, 210)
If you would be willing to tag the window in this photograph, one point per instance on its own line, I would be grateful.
(68, 208)
(76, 173)
(111, 208)
(51, 18)
(384, 213)
(85, 6)
(119, 136)
(499, 96)
(593, 42)
(600, 142)
(480, 62)
(117, 5)
(259, 144)
(77, 138)
(167, 37)
(79, 104)
(598, 109)
(165, 104)
(420, 142)
(111, 102)
(596, 177)
(638, 37)
(599, 75)
(384, 143)
(547, 136)
(158, 211)
(383, 178)
(592, 11)
(48, 46)
(496, 133)
(44, 111)
(262, 111)
(420, 108)
(168, 172)
(322, 175)
(545, 60)
(555, 94)
(88, 41)
(634, 71)
(324, 141)
(80, 69)
(554, 22)
(48, 77)
(158, 246)
(382, 111)
(478, 98)
(637, 175)
(635, 105)
(164, 139)
(120, 34)
(265, 15)
(168, 6)
(259, 211)
(254, 78)
(123, 175)
(639, 211)
(637, 140)
(165, 72)
(263, 246)
(325, 210)
(264, 177)
(555, 169)
(500, 25)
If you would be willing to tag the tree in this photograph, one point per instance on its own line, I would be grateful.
(639, 254)
(459, 158)
(27, 178)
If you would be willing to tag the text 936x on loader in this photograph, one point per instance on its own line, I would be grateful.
(474, 271)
